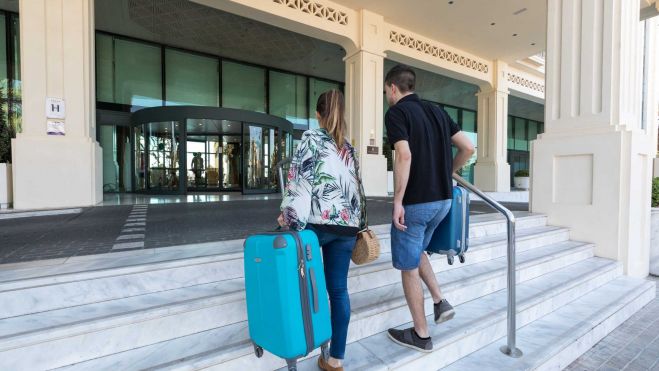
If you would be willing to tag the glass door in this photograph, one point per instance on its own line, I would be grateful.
(260, 161)
(231, 174)
(163, 156)
(197, 161)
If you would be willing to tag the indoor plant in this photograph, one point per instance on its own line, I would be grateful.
(522, 179)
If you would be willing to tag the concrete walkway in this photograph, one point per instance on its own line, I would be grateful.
(152, 223)
(634, 346)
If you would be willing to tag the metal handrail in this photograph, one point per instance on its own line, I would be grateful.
(510, 349)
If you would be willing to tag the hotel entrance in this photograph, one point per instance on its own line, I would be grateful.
(207, 149)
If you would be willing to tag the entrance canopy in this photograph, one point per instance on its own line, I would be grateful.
(190, 148)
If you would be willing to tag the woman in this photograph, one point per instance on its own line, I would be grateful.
(324, 194)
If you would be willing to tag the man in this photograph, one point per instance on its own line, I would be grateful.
(421, 134)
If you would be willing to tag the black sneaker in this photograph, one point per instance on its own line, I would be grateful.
(443, 311)
(409, 338)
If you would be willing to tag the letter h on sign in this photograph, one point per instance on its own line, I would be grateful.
(55, 108)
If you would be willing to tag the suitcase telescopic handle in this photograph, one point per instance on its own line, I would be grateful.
(314, 289)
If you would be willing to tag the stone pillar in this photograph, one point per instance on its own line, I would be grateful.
(57, 55)
(492, 171)
(592, 167)
(364, 103)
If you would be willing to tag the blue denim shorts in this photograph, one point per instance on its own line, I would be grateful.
(421, 221)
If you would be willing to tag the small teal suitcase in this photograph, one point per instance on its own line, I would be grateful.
(451, 238)
(287, 305)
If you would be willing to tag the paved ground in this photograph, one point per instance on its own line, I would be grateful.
(119, 228)
(634, 346)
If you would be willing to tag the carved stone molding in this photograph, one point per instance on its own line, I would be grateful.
(317, 9)
(436, 51)
(521, 81)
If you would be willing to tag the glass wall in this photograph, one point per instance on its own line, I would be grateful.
(129, 76)
(466, 119)
(288, 98)
(115, 141)
(133, 74)
(10, 71)
(520, 134)
(191, 79)
(316, 88)
(128, 72)
(243, 87)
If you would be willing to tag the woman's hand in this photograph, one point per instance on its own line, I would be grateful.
(281, 222)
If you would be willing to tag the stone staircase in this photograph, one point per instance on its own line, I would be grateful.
(184, 308)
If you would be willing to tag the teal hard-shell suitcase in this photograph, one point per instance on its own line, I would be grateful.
(451, 238)
(287, 305)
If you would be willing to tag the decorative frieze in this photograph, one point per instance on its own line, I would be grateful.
(527, 83)
(317, 9)
(436, 51)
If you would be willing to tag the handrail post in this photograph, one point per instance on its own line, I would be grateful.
(510, 348)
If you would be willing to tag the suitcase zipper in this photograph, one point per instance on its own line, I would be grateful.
(304, 295)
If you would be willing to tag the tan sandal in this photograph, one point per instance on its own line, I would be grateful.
(323, 365)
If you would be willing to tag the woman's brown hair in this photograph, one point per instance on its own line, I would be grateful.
(331, 108)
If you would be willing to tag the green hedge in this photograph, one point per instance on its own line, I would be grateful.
(521, 173)
(655, 192)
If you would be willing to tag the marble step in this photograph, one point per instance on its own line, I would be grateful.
(381, 272)
(477, 322)
(383, 307)
(371, 311)
(45, 272)
(556, 340)
(481, 322)
(144, 274)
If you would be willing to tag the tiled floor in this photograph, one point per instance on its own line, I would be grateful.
(115, 199)
(634, 346)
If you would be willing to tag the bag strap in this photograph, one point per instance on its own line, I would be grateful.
(362, 194)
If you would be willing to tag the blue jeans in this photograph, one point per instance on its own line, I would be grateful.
(421, 221)
(337, 251)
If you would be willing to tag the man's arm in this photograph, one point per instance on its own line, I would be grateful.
(465, 150)
(402, 174)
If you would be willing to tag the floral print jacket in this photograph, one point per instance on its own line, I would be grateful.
(323, 186)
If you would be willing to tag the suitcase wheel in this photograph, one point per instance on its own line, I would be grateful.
(292, 365)
(462, 258)
(258, 351)
(450, 259)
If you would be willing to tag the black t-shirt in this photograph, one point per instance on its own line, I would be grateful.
(430, 143)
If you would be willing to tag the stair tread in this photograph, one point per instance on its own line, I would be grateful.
(392, 294)
(475, 245)
(89, 317)
(550, 334)
(470, 315)
(92, 266)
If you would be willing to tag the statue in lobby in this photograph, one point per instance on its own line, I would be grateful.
(197, 166)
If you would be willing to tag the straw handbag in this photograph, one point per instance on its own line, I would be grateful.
(367, 247)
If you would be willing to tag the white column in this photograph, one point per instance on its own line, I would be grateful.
(591, 169)
(364, 103)
(492, 171)
(57, 61)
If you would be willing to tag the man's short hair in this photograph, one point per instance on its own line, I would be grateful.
(403, 77)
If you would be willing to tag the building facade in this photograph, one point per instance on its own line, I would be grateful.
(537, 85)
